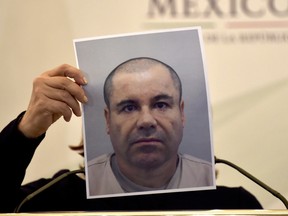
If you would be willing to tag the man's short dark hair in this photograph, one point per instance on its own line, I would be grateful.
(132, 65)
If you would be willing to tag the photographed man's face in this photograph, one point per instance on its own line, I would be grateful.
(145, 120)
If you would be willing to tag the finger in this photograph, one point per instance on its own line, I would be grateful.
(53, 89)
(64, 96)
(61, 83)
(58, 109)
(66, 70)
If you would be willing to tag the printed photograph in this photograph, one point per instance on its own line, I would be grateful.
(147, 125)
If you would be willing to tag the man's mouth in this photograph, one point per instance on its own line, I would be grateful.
(147, 141)
(147, 145)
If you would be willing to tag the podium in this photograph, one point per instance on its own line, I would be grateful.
(162, 213)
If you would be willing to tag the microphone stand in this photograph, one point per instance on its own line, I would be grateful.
(255, 180)
(46, 186)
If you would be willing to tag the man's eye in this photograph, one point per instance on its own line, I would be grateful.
(161, 105)
(129, 108)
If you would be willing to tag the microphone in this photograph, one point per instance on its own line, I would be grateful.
(255, 180)
(46, 186)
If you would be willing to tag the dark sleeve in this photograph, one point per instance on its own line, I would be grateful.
(17, 152)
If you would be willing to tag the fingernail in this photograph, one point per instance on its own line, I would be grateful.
(85, 80)
(85, 99)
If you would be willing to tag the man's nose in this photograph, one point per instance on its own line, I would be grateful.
(146, 120)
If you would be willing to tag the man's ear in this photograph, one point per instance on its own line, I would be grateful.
(182, 112)
(107, 118)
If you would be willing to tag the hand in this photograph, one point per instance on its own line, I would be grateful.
(53, 95)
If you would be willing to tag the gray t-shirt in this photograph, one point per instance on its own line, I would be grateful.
(104, 176)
